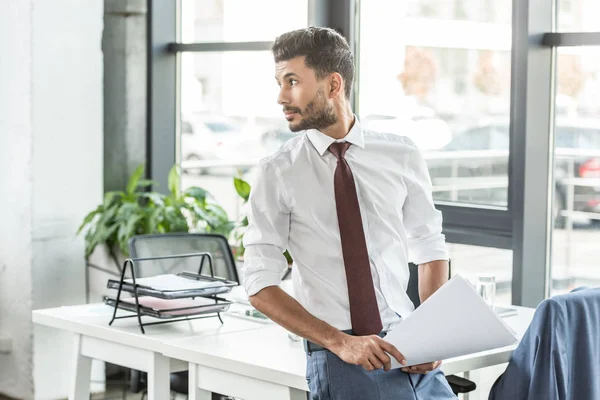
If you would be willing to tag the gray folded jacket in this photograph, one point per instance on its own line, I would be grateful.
(558, 358)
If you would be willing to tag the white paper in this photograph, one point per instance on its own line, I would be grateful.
(171, 282)
(453, 322)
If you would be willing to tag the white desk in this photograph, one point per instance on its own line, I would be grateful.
(124, 344)
(266, 364)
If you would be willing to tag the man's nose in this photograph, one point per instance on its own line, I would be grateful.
(282, 98)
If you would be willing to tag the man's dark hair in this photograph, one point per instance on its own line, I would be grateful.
(325, 51)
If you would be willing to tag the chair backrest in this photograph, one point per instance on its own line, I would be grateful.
(413, 283)
(166, 244)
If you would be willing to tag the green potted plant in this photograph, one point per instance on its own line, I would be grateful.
(243, 188)
(138, 210)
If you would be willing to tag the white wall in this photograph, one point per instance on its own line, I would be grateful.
(15, 200)
(51, 175)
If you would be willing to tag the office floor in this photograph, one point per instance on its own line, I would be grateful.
(484, 377)
(118, 395)
(117, 388)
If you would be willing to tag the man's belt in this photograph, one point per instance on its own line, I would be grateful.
(309, 346)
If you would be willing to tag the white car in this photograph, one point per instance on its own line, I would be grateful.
(428, 133)
(211, 138)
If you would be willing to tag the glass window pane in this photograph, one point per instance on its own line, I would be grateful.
(233, 116)
(471, 261)
(576, 209)
(578, 15)
(494, 11)
(439, 72)
(240, 20)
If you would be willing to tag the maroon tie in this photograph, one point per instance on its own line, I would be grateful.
(364, 312)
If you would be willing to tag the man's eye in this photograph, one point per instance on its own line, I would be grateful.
(293, 82)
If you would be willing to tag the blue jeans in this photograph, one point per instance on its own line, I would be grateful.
(330, 378)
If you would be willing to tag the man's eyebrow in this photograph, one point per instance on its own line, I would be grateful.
(288, 75)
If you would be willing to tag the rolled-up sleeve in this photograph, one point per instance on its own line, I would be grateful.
(422, 221)
(267, 234)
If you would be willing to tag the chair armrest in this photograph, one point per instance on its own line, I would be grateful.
(460, 385)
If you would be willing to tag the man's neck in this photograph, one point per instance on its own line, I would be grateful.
(340, 129)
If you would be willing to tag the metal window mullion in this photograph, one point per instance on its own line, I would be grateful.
(162, 90)
(531, 150)
(218, 47)
(478, 226)
(559, 39)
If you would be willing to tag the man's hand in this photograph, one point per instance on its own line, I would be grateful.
(422, 368)
(370, 352)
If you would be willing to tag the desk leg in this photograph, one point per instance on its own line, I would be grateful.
(82, 370)
(296, 394)
(194, 392)
(466, 375)
(159, 382)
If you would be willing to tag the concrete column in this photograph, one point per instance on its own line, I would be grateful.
(124, 47)
(16, 175)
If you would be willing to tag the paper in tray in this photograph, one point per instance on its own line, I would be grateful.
(161, 308)
(175, 286)
(175, 283)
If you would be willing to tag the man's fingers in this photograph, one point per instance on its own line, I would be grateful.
(382, 358)
(422, 368)
(431, 366)
(375, 362)
(366, 364)
(391, 349)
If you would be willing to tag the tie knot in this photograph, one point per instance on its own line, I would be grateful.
(338, 149)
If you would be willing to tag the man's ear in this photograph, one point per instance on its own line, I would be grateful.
(336, 85)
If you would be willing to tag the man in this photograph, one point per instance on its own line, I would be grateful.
(347, 204)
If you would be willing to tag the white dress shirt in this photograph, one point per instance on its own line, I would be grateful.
(292, 206)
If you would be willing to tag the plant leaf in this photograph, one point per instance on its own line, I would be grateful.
(88, 218)
(146, 183)
(110, 197)
(218, 211)
(175, 181)
(135, 179)
(158, 199)
(242, 188)
(197, 193)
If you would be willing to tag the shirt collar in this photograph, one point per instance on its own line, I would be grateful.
(322, 142)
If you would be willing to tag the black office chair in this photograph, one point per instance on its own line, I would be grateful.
(457, 384)
(179, 243)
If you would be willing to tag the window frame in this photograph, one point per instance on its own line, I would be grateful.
(524, 226)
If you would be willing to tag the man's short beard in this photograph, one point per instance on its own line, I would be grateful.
(316, 116)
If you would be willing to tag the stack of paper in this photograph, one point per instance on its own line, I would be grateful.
(171, 282)
(177, 306)
(453, 322)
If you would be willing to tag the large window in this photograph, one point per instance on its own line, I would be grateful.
(450, 92)
(439, 72)
(474, 261)
(578, 15)
(494, 11)
(576, 210)
(214, 21)
(231, 117)
(228, 99)
(470, 81)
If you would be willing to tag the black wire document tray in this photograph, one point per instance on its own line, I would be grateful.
(213, 286)
(170, 297)
(166, 309)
